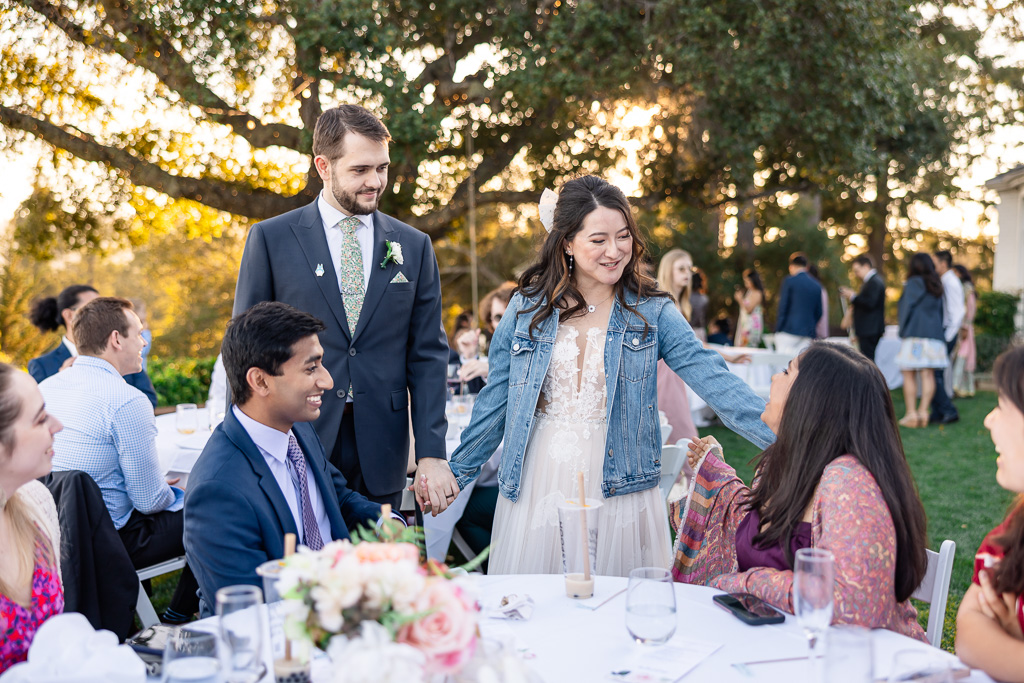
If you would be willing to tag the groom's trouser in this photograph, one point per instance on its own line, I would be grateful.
(346, 458)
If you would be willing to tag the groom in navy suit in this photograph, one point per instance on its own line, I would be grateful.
(263, 473)
(374, 282)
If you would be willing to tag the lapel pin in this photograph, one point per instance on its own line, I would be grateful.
(319, 270)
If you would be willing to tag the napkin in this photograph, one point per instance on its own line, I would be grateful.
(515, 607)
(67, 649)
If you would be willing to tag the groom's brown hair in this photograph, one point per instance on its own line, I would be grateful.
(329, 133)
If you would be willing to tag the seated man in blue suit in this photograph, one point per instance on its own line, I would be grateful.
(263, 472)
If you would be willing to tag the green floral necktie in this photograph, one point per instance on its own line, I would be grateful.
(351, 263)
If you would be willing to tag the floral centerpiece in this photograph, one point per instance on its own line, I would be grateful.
(378, 612)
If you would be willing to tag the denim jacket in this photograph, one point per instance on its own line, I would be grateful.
(518, 364)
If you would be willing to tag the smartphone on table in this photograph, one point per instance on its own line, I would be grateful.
(749, 608)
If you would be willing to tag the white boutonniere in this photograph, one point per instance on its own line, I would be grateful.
(394, 254)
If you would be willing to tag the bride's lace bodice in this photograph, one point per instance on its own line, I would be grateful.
(574, 387)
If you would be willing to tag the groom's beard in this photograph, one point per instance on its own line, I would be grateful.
(349, 202)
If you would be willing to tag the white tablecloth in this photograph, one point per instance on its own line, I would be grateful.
(178, 452)
(565, 642)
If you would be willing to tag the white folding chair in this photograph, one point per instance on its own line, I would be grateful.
(666, 431)
(769, 341)
(762, 366)
(934, 589)
(143, 607)
(672, 458)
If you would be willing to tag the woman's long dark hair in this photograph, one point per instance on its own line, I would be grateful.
(1008, 575)
(549, 278)
(922, 264)
(755, 279)
(839, 405)
(45, 312)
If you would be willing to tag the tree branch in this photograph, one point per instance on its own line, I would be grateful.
(156, 54)
(236, 198)
(437, 223)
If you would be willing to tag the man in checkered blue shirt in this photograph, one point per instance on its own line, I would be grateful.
(110, 433)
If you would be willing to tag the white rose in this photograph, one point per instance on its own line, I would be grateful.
(373, 657)
(396, 253)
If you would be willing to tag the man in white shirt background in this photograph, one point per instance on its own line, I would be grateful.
(953, 310)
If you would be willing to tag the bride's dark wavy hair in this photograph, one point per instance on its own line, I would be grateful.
(839, 405)
(1008, 575)
(549, 278)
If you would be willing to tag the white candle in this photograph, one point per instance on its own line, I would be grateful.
(578, 587)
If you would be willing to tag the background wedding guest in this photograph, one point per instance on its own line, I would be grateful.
(551, 401)
(922, 349)
(953, 308)
(675, 276)
(264, 473)
(836, 478)
(110, 434)
(821, 328)
(49, 314)
(492, 308)
(750, 324)
(720, 333)
(30, 586)
(147, 334)
(867, 304)
(966, 356)
(796, 321)
(464, 348)
(374, 282)
(990, 621)
(699, 306)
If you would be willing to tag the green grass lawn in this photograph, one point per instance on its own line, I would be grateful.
(955, 469)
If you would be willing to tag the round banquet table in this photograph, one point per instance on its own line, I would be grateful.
(568, 640)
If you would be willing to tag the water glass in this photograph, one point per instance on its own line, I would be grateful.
(849, 655)
(651, 605)
(813, 585)
(241, 631)
(191, 657)
(920, 666)
(186, 418)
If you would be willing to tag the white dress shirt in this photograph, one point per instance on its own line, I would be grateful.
(69, 346)
(953, 307)
(273, 446)
(364, 234)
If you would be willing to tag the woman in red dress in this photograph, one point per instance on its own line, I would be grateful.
(30, 587)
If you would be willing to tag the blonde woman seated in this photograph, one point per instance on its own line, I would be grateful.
(836, 478)
(30, 586)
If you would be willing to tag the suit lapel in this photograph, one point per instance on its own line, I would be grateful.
(310, 235)
(379, 277)
(268, 484)
(317, 467)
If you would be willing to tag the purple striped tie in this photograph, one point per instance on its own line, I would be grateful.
(310, 530)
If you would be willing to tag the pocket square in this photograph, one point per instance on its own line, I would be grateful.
(399, 279)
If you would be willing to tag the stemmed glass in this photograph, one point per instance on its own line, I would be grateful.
(191, 657)
(241, 631)
(814, 580)
(651, 605)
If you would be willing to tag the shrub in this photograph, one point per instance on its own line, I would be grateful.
(996, 313)
(181, 380)
(988, 348)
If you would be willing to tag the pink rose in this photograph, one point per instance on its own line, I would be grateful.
(387, 552)
(447, 635)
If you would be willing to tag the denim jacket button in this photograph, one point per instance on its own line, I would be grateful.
(636, 342)
(515, 347)
(612, 492)
(609, 452)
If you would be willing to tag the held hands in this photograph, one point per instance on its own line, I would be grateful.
(434, 485)
(472, 369)
(1001, 608)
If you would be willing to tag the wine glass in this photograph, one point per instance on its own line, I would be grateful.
(813, 584)
(241, 631)
(651, 605)
(920, 666)
(849, 655)
(191, 656)
(186, 418)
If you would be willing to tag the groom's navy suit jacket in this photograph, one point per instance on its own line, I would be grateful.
(399, 348)
(49, 364)
(236, 515)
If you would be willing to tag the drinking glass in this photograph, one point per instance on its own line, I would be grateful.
(651, 605)
(849, 655)
(241, 632)
(920, 666)
(453, 378)
(186, 418)
(191, 657)
(813, 584)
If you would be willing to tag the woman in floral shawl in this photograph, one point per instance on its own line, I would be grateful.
(836, 478)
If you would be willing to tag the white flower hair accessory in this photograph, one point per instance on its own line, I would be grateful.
(546, 208)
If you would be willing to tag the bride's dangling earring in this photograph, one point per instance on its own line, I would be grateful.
(570, 262)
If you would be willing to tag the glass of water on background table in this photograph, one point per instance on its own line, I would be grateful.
(651, 605)
(191, 657)
(814, 579)
(241, 632)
